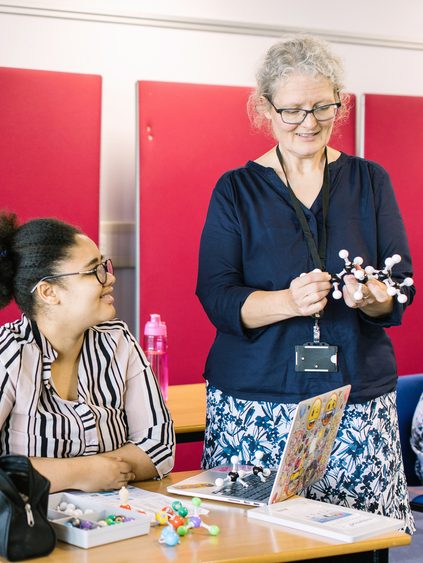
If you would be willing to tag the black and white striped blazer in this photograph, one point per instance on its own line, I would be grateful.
(118, 401)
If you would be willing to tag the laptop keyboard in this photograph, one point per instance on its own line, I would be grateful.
(256, 490)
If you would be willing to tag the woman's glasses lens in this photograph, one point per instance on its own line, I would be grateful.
(103, 269)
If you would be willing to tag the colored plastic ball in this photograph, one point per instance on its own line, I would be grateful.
(214, 530)
(176, 505)
(195, 521)
(196, 501)
(169, 536)
(177, 521)
(183, 511)
(182, 530)
(162, 517)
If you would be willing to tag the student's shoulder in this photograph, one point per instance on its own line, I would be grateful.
(116, 329)
(14, 336)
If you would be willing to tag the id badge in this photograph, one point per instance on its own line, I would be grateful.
(314, 356)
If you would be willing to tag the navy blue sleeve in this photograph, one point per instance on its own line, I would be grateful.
(220, 284)
(391, 239)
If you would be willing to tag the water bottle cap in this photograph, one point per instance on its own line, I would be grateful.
(155, 326)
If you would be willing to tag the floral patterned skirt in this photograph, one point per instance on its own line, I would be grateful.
(365, 470)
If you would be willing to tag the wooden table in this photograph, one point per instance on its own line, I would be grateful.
(240, 540)
(187, 405)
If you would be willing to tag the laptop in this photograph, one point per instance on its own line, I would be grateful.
(304, 460)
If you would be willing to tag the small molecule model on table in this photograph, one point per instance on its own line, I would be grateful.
(261, 472)
(236, 475)
(178, 523)
(363, 275)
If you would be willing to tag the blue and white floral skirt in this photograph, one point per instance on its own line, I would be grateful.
(365, 470)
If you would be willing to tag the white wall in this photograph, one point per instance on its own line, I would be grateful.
(214, 41)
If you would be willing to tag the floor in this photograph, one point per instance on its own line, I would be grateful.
(413, 552)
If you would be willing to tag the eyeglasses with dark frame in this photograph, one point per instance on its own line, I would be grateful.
(295, 116)
(100, 272)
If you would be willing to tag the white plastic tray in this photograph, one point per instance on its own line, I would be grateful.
(97, 536)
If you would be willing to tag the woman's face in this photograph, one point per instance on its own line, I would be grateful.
(306, 92)
(83, 301)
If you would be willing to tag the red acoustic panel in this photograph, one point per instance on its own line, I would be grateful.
(189, 134)
(50, 148)
(394, 139)
(188, 456)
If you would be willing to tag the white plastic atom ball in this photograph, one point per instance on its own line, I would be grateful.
(389, 263)
(359, 274)
(234, 459)
(258, 455)
(391, 291)
(219, 482)
(358, 260)
(402, 298)
(396, 258)
(358, 295)
(408, 282)
(343, 254)
(337, 294)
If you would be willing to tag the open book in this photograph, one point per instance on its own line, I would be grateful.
(325, 519)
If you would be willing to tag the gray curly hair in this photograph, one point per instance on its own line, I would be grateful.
(303, 54)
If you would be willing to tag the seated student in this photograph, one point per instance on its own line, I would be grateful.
(417, 437)
(77, 395)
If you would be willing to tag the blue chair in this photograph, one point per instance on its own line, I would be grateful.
(409, 389)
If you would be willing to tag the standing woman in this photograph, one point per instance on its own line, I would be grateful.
(271, 224)
(77, 394)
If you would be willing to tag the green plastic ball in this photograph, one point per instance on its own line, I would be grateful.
(214, 530)
(182, 531)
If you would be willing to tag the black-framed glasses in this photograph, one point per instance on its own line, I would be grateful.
(100, 272)
(295, 116)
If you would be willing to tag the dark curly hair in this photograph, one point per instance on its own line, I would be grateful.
(29, 252)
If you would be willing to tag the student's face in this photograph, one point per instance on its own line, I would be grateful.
(306, 92)
(83, 300)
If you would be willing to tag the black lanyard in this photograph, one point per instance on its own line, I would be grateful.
(318, 255)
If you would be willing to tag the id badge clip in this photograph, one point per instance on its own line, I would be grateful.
(316, 355)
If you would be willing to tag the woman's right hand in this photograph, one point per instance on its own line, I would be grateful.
(309, 293)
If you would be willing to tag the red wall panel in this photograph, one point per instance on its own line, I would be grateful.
(50, 148)
(394, 139)
(189, 134)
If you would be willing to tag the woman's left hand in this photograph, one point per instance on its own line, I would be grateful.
(375, 300)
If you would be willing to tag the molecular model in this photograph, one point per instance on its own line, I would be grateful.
(363, 275)
(237, 475)
(178, 523)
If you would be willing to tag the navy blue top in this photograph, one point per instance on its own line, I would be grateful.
(252, 240)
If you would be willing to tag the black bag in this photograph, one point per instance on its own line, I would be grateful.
(24, 528)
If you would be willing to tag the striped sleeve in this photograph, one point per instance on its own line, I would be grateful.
(150, 426)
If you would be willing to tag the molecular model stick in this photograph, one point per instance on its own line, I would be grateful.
(363, 275)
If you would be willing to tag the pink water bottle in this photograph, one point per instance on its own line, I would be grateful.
(155, 348)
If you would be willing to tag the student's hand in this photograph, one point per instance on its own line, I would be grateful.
(104, 473)
(309, 292)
